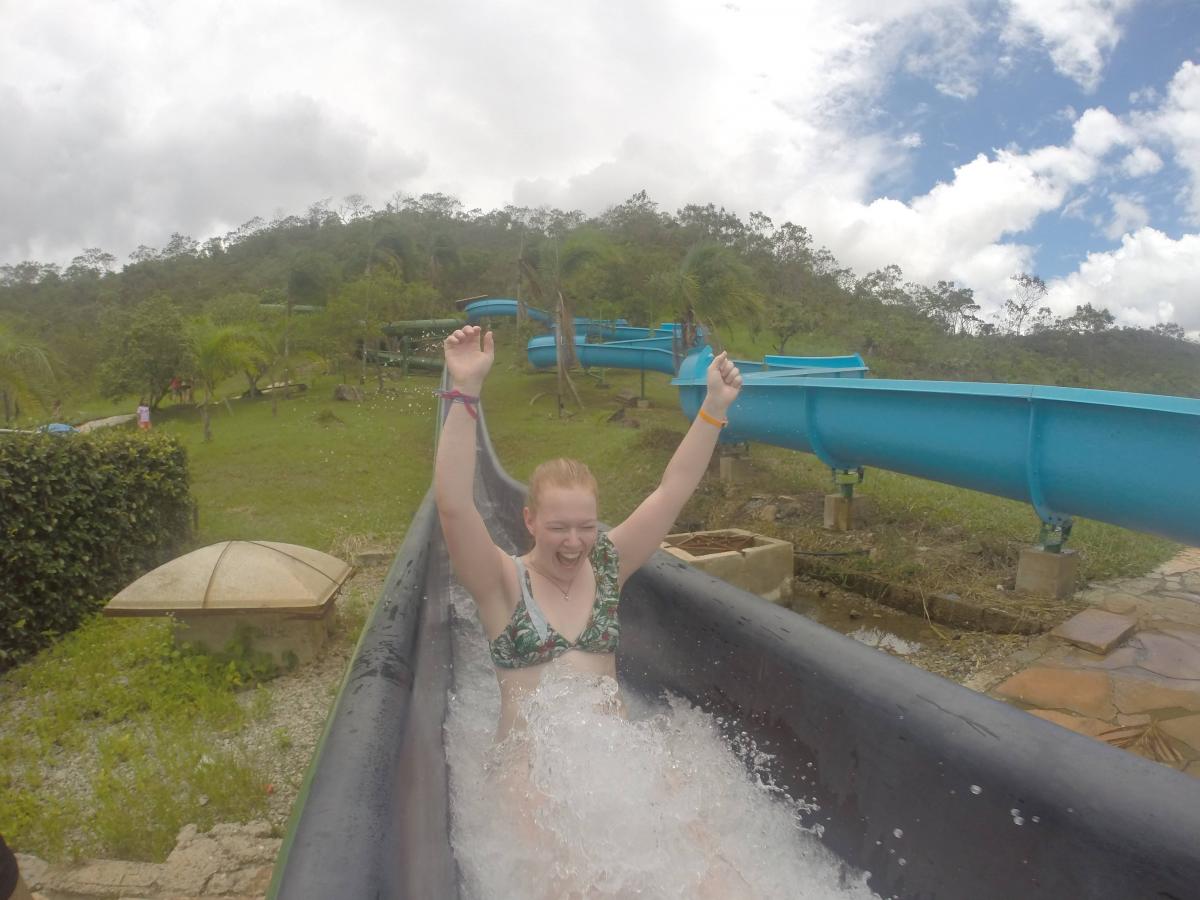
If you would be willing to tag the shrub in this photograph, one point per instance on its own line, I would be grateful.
(80, 517)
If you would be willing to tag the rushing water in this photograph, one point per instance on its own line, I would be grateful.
(656, 805)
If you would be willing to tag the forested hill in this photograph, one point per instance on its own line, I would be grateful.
(767, 287)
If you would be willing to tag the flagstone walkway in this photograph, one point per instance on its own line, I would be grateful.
(1126, 670)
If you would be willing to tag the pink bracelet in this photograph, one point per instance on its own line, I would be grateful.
(457, 396)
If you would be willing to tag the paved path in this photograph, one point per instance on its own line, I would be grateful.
(108, 422)
(233, 862)
(1126, 670)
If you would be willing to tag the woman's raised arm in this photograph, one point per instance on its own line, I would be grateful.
(475, 558)
(639, 536)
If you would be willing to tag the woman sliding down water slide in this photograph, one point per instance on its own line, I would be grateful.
(571, 799)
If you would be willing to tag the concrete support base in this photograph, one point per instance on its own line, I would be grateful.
(839, 512)
(1047, 574)
(288, 638)
(764, 568)
(643, 403)
(735, 469)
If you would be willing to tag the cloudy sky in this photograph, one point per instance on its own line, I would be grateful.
(960, 140)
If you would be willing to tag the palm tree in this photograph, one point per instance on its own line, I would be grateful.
(712, 285)
(26, 371)
(219, 351)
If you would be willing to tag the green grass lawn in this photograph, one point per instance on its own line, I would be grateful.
(329, 475)
(315, 471)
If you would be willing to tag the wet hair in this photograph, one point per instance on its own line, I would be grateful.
(560, 473)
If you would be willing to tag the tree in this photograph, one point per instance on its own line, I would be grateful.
(240, 308)
(586, 267)
(952, 306)
(711, 285)
(26, 372)
(91, 262)
(361, 309)
(786, 319)
(1170, 330)
(885, 286)
(180, 245)
(147, 349)
(1087, 320)
(1028, 295)
(355, 206)
(217, 352)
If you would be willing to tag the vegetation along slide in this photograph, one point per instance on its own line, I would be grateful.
(936, 791)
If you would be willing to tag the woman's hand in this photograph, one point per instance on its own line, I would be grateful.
(467, 363)
(724, 383)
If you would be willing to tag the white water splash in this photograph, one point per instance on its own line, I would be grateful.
(585, 803)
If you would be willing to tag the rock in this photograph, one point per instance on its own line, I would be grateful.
(33, 869)
(1088, 693)
(1136, 692)
(347, 392)
(364, 559)
(1095, 630)
(1185, 729)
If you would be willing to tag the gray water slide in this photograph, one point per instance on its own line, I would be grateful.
(981, 801)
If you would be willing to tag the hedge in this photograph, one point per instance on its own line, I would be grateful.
(80, 517)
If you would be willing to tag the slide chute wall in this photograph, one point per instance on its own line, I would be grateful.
(902, 764)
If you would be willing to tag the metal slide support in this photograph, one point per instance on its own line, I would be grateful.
(845, 480)
(1055, 527)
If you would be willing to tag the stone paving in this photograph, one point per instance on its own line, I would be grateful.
(1126, 670)
(233, 862)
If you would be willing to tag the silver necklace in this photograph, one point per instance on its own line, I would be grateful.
(566, 594)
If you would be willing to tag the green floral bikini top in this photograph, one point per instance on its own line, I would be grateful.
(529, 640)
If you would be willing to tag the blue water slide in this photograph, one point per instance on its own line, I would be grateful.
(615, 331)
(651, 354)
(1129, 459)
(851, 366)
(499, 307)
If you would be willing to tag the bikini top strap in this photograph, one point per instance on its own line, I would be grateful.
(536, 618)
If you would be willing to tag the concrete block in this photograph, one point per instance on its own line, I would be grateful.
(1095, 630)
(642, 403)
(735, 469)
(839, 512)
(1047, 574)
(764, 567)
(287, 637)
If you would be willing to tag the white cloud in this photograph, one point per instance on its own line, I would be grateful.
(1150, 278)
(1141, 161)
(959, 229)
(1128, 215)
(139, 120)
(1177, 122)
(1077, 33)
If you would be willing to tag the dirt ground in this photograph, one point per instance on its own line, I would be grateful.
(954, 612)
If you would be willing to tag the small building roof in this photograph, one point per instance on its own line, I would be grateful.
(236, 576)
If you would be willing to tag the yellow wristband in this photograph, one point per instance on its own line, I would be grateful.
(713, 420)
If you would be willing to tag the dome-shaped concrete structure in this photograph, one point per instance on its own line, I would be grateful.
(282, 593)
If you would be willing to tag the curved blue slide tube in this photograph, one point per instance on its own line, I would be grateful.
(1129, 459)
(652, 354)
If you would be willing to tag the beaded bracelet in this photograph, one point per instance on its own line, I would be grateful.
(713, 420)
(457, 396)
